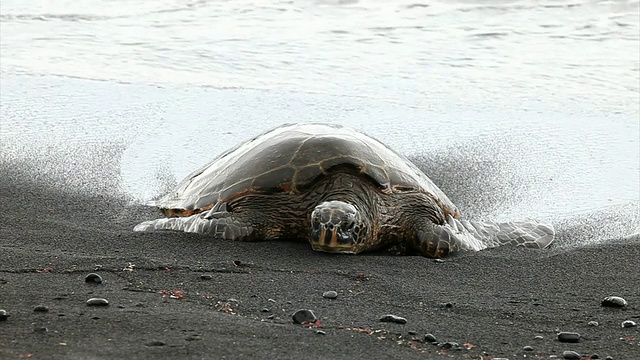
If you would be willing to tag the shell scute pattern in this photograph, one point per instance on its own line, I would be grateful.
(289, 159)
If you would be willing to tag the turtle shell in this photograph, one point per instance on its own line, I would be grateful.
(289, 159)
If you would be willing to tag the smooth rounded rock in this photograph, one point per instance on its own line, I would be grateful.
(41, 308)
(430, 338)
(206, 277)
(320, 332)
(593, 323)
(570, 355)
(568, 337)
(614, 301)
(303, 315)
(527, 348)
(97, 302)
(3, 315)
(393, 319)
(629, 324)
(595, 356)
(330, 294)
(93, 278)
(449, 345)
(538, 337)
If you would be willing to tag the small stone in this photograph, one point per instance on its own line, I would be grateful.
(448, 305)
(271, 317)
(393, 318)
(609, 357)
(41, 308)
(330, 294)
(570, 355)
(155, 343)
(303, 315)
(121, 306)
(593, 323)
(527, 348)
(438, 261)
(93, 278)
(448, 345)
(4, 315)
(629, 324)
(320, 332)
(97, 302)
(568, 337)
(430, 338)
(237, 262)
(411, 332)
(614, 301)
(40, 329)
(271, 300)
(538, 337)
(595, 356)
(206, 277)
(265, 310)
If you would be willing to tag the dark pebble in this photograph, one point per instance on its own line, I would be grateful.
(527, 348)
(412, 333)
(595, 356)
(538, 337)
(3, 315)
(320, 332)
(155, 343)
(330, 294)
(629, 323)
(265, 310)
(97, 302)
(394, 319)
(609, 358)
(270, 317)
(614, 301)
(40, 329)
(303, 315)
(237, 262)
(448, 345)
(568, 337)
(93, 278)
(570, 355)
(593, 323)
(430, 338)
(206, 277)
(448, 305)
(41, 308)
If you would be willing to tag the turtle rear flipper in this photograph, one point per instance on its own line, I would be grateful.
(223, 226)
(441, 240)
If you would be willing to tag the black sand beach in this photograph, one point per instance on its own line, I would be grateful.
(492, 303)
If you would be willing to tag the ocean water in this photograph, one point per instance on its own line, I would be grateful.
(521, 109)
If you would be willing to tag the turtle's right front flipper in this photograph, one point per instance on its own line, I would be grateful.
(223, 225)
(441, 240)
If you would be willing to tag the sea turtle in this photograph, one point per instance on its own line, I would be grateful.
(335, 187)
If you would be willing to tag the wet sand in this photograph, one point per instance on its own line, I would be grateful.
(492, 303)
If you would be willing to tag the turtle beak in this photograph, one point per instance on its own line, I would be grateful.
(332, 240)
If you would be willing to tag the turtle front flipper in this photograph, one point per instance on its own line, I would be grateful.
(441, 240)
(220, 224)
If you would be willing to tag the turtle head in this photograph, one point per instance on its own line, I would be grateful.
(337, 227)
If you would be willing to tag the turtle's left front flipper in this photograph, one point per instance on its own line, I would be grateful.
(442, 240)
(222, 225)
